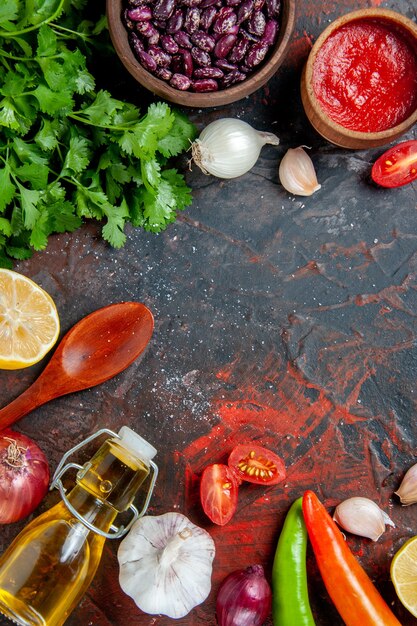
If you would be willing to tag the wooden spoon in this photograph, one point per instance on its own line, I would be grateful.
(97, 348)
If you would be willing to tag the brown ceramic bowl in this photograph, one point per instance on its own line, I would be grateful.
(320, 120)
(236, 92)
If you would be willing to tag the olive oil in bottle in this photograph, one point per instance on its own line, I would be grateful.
(48, 567)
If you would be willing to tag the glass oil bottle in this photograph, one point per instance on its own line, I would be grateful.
(48, 567)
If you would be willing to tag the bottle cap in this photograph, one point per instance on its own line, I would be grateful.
(136, 444)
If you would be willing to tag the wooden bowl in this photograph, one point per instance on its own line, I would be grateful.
(257, 79)
(320, 120)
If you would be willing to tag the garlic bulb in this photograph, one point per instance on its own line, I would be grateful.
(407, 491)
(297, 174)
(362, 516)
(229, 147)
(165, 564)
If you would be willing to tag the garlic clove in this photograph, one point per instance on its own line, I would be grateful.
(363, 517)
(165, 564)
(407, 491)
(297, 174)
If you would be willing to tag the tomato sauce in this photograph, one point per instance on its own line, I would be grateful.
(365, 76)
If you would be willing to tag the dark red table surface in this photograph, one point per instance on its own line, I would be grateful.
(282, 320)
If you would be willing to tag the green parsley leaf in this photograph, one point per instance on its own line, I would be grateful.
(70, 152)
(77, 157)
(7, 188)
(29, 200)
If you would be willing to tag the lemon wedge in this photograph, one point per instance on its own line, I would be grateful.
(404, 575)
(29, 322)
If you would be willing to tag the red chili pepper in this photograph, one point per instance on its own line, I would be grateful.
(351, 590)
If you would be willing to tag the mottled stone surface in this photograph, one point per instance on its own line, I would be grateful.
(286, 321)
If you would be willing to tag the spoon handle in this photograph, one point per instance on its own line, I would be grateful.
(30, 399)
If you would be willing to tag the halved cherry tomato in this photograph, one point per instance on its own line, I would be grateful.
(218, 493)
(397, 166)
(256, 464)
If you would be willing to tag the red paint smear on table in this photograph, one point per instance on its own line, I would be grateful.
(274, 405)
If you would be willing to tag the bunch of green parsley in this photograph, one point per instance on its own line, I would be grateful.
(68, 150)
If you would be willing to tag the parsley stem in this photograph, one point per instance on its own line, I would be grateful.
(84, 120)
(71, 33)
(17, 33)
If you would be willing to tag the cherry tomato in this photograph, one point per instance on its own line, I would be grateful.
(218, 493)
(397, 166)
(256, 464)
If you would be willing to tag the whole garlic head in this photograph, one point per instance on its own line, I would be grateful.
(165, 564)
(362, 516)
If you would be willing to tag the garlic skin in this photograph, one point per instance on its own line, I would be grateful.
(229, 147)
(407, 491)
(363, 517)
(165, 564)
(297, 174)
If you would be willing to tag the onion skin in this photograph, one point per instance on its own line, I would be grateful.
(244, 598)
(24, 476)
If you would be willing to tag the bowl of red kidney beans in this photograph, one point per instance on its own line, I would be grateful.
(201, 53)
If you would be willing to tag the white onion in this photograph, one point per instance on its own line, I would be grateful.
(229, 147)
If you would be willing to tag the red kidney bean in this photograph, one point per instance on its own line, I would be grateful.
(139, 14)
(177, 64)
(169, 44)
(136, 44)
(129, 24)
(163, 9)
(180, 81)
(147, 61)
(225, 65)
(273, 7)
(201, 57)
(207, 17)
(245, 10)
(192, 19)
(183, 39)
(256, 23)
(162, 58)
(256, 54)
(270, 33)
(224, 45)
(239, 50)
(249, 35)
(207, 3)
(232, 78)
(201, 45)
(203, 40)
(148, 30)
(175, 22)
(163, 73)
(205, 85)
(132, 4)
(226, 19)
(187, 62)
(160, 25)
(208, 72)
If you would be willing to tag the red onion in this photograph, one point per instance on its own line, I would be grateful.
(244, 598)
(24, 476)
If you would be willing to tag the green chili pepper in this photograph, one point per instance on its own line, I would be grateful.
(290, 603)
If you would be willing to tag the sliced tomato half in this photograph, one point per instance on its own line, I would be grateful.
(397, 166)
(256, 464)
(218, 493)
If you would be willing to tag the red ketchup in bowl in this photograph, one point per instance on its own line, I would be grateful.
(365, 76)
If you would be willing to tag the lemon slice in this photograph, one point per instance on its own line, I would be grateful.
(29, 322)
(404, 574)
